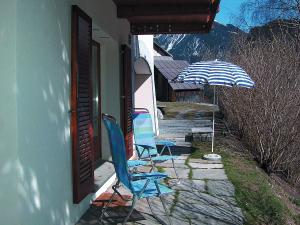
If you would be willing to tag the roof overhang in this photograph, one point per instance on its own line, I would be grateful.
(168, 16)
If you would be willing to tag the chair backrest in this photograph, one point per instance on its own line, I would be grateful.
(118, 149)
(143, 131)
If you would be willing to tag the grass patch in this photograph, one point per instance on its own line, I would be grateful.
(173, 109)
(160, 169)
(189, 220)
(253, 190)
(176, 199)
(195, 154)
(297, 219)
(296, 201)
(205, 148)
(190, 175)
(206, 187)
(186, 162)
(166, 180)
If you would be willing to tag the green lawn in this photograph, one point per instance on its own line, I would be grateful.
(296, 201)
(173, 109)
(253, 188)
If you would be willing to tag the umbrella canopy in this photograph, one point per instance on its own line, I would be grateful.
(215, 73)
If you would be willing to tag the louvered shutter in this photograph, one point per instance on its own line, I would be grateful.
(127, 93)
(81, 105)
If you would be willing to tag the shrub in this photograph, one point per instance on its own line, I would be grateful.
(268, 117)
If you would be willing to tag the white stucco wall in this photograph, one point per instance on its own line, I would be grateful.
(110, 82)
(35, 145)
(8, 114)
(144, 95)
(43, 82)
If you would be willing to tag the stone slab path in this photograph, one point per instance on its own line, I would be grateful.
(204, 195)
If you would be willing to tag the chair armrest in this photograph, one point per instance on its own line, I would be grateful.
(136, 163)
(165, 142)
(151, 176)
(144, 146)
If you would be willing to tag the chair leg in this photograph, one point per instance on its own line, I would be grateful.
(175, 171)
(118, 193)
(105, 207)
(178, 180)
(165, 208)
(152, 164)
(150, 206)
(153, 214)
(163, 149)
(131, 210)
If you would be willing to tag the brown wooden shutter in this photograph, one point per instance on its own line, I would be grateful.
(81, 105)
(127, 100)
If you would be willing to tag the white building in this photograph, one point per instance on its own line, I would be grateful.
(61, 66)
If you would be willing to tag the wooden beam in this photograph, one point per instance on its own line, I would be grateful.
(147, 2)
(126, 11)
(168, 16)
(179, 28)
(172, 19)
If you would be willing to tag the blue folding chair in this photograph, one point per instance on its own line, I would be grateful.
(141, 185)
(145, 143)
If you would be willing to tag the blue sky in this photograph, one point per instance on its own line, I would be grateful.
(228, 8)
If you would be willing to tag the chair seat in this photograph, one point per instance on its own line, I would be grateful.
(165, 142)
(146, 153)
(163, 158)
(135, 163)
(150, 190)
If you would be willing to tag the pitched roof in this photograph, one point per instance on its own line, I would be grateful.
(170, 69)
(185, 86)
(160, 50)
(163, 58)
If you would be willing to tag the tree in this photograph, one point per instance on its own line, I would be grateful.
(259, 12)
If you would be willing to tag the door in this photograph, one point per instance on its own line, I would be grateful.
(96, 86)
(126, 103)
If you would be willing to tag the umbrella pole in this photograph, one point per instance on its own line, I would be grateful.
(213, 133)
(213, 156)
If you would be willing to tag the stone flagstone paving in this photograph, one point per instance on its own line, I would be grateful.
(205, 199)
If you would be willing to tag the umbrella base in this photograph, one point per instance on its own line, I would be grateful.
(212, 157)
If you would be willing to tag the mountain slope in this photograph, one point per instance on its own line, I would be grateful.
(275, 29)
(190, 47)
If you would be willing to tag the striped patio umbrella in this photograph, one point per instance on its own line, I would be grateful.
(216, 73)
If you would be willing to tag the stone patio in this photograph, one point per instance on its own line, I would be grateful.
(203, 196)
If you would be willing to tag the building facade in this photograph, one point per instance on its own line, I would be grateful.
(62, 64)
